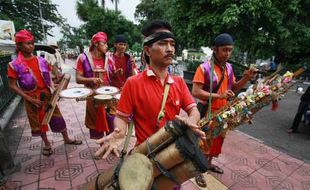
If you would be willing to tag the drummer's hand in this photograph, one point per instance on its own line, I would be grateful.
(119, 71)
(37, 103)
(109, 144)
(189, 122)
(54, 87)
(97, 81)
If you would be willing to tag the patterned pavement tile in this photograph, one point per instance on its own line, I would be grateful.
(302, 173)
(253, 181)
(89, 173)
(240, 164)
(54, 183)
(27, 173)
(225, 178)
(30, 186)
(12, 184)
(51, 171)
(287, 167)
(271, 169)
(82, 162)
(293, 184)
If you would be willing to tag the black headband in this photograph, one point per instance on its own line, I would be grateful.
(156, 37)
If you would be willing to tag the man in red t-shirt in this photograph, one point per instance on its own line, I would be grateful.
(122, 65)
(142, 94)
(224, 77)
(32, 74)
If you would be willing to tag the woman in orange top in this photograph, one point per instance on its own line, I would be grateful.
(224, 77)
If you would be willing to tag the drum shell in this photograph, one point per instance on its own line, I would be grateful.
(168, 158)
(182, 172)
(103, 99)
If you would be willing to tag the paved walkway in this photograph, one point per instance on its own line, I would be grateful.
(248, 164)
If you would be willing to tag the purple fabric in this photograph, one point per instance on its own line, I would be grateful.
(177, 187)
(128, 66)
(95, 134)
(57, 124)
(110, 119)
(207, 69)
(88, 72)
(45, 71)
(26, 79)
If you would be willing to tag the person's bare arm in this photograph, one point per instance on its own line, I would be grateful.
(110, 143)
(13, 86)
(201, 94)
(247, 75)
(191, 121)
(80, 79)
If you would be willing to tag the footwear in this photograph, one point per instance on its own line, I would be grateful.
(201, 181)
(47, 151)
(74, 142)
(216, 169)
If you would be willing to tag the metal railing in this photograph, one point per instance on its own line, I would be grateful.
(6, 95)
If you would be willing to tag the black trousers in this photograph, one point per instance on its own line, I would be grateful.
(303, 105)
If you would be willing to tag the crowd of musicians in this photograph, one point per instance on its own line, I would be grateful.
(148, 98)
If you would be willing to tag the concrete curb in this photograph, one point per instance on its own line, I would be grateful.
(5, 118)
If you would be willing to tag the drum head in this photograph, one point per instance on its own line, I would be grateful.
(75, 93)
(131, 178)
(108, 90)
(103, 97)
(117, 96)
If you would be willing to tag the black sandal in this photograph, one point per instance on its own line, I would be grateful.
(216, 169)
(74, 142)
(201, 181)
(47, 151)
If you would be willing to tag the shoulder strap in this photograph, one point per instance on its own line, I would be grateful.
(161, 113)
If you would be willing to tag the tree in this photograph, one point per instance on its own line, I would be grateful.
(112, 22)
(26, 15)
(262, 28)
(73, 37)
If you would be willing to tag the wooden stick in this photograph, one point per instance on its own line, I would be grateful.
(52, 103)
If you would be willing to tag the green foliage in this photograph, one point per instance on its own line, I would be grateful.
(112, 22)
(262, 28)
(26, 15)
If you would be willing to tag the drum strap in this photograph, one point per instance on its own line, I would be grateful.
(114, 182)
(161, 168)
(161, 113)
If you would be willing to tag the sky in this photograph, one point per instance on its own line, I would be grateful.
(66, 8)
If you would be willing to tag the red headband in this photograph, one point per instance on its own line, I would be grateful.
(23, 36)
(100, 36)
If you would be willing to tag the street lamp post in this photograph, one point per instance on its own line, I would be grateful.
(41, 17)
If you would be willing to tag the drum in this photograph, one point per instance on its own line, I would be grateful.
(132, 179)
(103, 99)
(107, 90)
(76, 93)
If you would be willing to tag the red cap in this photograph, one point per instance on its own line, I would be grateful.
(99, 36)
(23, 36)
